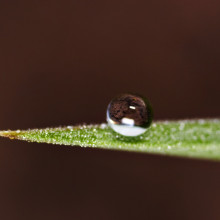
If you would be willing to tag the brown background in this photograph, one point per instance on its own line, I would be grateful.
(62, 61)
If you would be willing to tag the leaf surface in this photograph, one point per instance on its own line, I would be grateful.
(188, 138)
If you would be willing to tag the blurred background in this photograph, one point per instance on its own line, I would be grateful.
(61, 62)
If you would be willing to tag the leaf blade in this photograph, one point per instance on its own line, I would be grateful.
(188, 138)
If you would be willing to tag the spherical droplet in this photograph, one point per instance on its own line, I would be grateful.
(129, 114)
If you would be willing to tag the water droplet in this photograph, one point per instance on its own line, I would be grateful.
(103, 126)
(129, 114)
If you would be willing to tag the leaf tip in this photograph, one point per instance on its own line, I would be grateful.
(10, 134)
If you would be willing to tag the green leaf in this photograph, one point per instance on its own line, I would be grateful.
(189, 138)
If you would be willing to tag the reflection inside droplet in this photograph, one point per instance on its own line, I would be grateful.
(129, 115)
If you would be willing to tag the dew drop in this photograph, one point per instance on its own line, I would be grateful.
(129, 114)
(103, 126)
